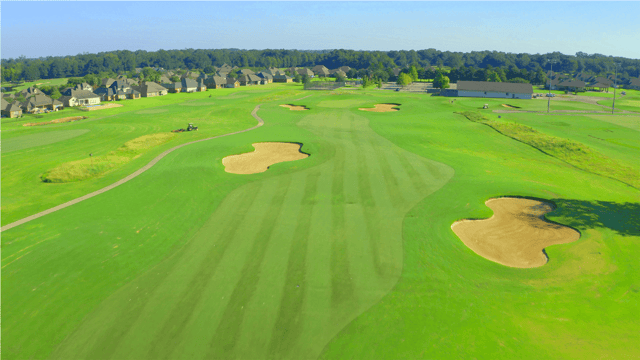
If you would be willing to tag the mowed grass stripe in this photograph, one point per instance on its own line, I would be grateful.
(205, 316)
(289, 320)
(105, 329)
(222, 345)
(261, 313)
(390, 180)
(342, 288)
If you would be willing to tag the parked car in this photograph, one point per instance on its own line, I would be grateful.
(551, 95)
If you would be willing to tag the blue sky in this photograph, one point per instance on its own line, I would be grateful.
(70, 28)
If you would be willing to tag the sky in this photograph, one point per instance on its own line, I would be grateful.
(59, 28)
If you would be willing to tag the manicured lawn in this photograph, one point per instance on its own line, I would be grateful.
(345, 254)
(41, 82)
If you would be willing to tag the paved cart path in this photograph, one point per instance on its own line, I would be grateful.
(254, 113)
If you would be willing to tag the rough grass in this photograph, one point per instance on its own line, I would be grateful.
(571, 152)
(95, 166)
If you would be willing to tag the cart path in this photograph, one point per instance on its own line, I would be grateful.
(254, 113)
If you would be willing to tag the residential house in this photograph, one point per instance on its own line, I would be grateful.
(151, 89)
(71, 97)
(106, 94)
(271, 71)
(282, 78)
(634, 83)
(245, 72)
(215, 82)
(30, 91)
(319, 69)
(322, 72)
(201, 86)
(266, 77)
(39, 103)
(599, 86)
(10, 109)
(190, 74)
(338, 72)
(123, 89)
(83, 86)
(164, 79)
(486, 89)
(106, 82)
(249, 79)
(305, 71)
(604, 80)
(345, 68)
(232, 83)
(572, 84)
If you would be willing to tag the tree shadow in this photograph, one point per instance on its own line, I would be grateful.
(623, 218)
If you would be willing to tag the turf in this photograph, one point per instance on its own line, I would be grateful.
(345, 254)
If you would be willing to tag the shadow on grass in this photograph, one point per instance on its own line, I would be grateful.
(623, 218)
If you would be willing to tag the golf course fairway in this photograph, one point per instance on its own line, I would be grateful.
(345, 254)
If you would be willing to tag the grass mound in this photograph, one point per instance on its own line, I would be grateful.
(571, 152)
(98, 165)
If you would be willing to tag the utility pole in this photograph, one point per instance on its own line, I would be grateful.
(615, 83)
(549, 95)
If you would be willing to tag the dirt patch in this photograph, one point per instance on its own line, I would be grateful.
(295, 107)
(265, 155)
(99, 107)
(57, 121)
(382, 108)
(516, 234)
(511, 106)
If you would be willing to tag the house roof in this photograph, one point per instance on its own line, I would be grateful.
(188, 83)
(634, 81)
(604, 80)
(317, 68)
(231, 80)
(245, 72)
(282, 77)
(82, 94)
(150, 87)
(107, 81)
(572, 83)
(104, 91)
(4, 104)
(305, 71)
(265, 75)
(495, 87)
(600, 85)
(38, 100)
(338, 71)
(253, 77)
(345, 68)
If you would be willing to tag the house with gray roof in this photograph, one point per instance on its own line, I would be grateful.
(487, 89)
(106, 94)
(319, 68)
(345, 68)
(245, 72)
(634, 83)
(282, 78)
(232, 83)
(572, 84)
(249, 79)
(30, 91)
(338, 72)
(305, 71)
(73, 97)
(266, 77)
(215, 82)
(122, 90)
(150, 89)
(106, 82)
(10, 109)
(39, 103)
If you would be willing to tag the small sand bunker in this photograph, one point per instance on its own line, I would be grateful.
(516, 234)
(511, 106)
(265, 155)
(382, 108)
(295, 107)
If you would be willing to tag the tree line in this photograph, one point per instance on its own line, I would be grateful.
(122, 61)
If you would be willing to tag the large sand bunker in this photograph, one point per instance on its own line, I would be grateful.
(295, 107)
(265, 155)
(516, 234)
(382, 108)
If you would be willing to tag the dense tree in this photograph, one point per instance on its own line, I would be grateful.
(404, 79)
(441, 81)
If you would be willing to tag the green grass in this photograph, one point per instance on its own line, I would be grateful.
(92, 167)
(41, 82)
(345, 254)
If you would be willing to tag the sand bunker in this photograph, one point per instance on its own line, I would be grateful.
(295, 107)
(265, 155)
(382, 108)
(57, 121)
(516, 234)
(510, 106)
